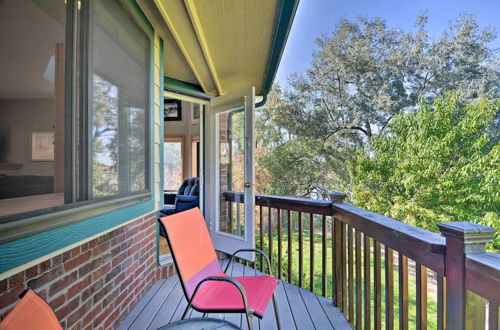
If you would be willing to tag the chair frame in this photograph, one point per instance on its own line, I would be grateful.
(248, 312)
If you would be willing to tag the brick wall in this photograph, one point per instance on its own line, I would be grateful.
(96, 284)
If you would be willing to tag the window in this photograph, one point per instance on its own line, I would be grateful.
(173, 162)
(195, 155)
(74, 120)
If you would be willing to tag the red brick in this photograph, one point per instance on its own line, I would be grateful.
(79, 287)
(90, 316)
(78, 314)
(100, 248)
(118, 259)
(84, 247)
(75, 251)
(16, 280)
(102, 293)
(3, 286)
(44, 266)
(92, 265)
(99, 319)
(45, 278)
(101, 272)
(78, 261)
(112, 274)
(111, 319)
(62, 283)
(67, 308)
(57, 260)
(57, 302)
(11, 296)
(94, 287)
(119, 278)
(31, 272)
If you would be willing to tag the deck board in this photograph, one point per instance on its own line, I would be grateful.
(299, 309)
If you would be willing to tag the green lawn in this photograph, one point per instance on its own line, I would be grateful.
(432, 297)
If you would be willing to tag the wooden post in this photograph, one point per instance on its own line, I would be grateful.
(462, 239)
(337, 197)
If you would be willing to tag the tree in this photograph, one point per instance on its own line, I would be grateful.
(437, 164)
(360, 78)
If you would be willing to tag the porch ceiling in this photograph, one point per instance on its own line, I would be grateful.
(226, 44)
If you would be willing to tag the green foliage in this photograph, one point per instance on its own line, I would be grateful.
(434, 165)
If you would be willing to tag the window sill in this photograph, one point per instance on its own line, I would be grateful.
(11, 230)
(165, 260)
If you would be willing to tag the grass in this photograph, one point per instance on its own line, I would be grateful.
(431, 297)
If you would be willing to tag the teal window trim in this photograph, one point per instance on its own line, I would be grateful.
(24, 240)
(185, 88)
(162, 134)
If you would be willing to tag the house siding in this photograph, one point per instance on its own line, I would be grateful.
(95, 284)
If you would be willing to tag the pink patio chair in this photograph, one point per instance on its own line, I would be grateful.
(206, 287)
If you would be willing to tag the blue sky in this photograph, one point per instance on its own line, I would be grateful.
(319, 16)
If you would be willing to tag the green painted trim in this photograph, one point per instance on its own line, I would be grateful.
(287, 11)
(185, 88)
(162, 134)
(139, 14)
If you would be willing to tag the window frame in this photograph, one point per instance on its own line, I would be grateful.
(182, 140)
(76, 101)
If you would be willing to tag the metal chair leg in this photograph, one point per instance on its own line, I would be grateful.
(204, 314)
(249, 321)
(185, 311)
(276, 313)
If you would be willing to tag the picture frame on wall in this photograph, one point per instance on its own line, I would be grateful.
(196, 113)
(224, 153)
(42, 146)
(172, 110)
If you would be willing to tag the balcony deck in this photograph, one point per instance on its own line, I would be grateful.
(298, 308)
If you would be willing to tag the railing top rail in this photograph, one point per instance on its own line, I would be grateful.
(424, 247)
(314, 206)
(483, 275)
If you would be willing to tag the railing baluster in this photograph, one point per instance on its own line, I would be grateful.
(261, 233)
(378, 285)
(301, 250)
(279, 244)
(359, 310)
(493, 316)
(311, 252)
(334, 263)
(367, 266)
(389, 288)
(290, 247)
(238, 220)
(343, 257)
(270, 234)
(421, 274)
(441, 302)
(403, 292)
(324, 236)
(350, 266)
(337, 280)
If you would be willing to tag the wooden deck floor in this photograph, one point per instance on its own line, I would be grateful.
(298, 308)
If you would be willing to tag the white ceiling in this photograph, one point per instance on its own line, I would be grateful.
(28, 37)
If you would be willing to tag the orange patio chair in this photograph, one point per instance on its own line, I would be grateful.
(32, 312)
(206, 287)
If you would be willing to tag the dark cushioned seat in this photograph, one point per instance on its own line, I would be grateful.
(187, 197)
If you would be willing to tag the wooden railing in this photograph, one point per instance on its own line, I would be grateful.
(378, 271)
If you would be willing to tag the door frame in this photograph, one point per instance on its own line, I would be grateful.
(223, 241)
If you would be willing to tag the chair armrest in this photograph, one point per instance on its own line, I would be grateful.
(252, 250)
(231, 280)
(169, 198)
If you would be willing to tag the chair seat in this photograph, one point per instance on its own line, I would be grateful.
(223, 295)
(168, 209)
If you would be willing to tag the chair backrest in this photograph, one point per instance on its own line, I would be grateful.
(32, 312)
(190, 187)
(192, 249)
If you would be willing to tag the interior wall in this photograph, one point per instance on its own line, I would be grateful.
(18, 118)
(186, 129)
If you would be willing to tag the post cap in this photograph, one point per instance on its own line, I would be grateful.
(337, 197)
(467, 232)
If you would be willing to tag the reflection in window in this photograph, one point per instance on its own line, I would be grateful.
(173, 163)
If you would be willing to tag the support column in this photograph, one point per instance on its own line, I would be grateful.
(462, 239)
